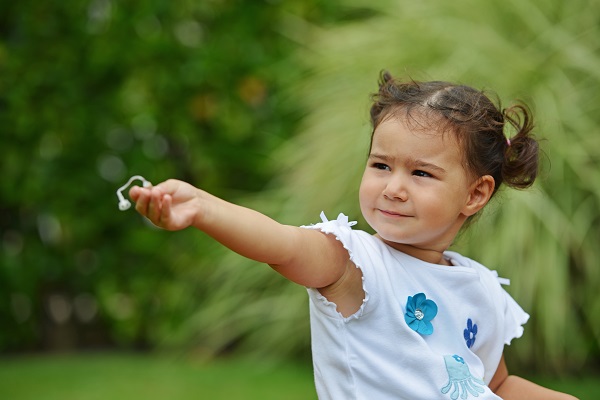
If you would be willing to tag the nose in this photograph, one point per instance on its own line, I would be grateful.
(396, 189)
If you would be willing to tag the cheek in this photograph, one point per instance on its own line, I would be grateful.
(361, 195)
(364, 196)
(441, 206)
(366, 189)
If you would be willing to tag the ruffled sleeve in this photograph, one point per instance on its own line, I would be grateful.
(514, 318)
(341, 228)
(332, 226)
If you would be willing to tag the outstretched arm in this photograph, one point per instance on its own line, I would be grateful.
(307, 257)
(511, 387)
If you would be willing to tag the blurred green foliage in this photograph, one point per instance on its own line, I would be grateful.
(266, 103)
(92, 92)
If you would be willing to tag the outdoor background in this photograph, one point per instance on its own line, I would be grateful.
(264, 103)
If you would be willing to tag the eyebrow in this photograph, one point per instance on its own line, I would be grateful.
(413, 162)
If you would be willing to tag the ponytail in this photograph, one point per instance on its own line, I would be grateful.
(520, 166)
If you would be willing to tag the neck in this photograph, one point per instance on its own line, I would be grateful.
(432, 256)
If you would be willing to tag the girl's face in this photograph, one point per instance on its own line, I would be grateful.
(415, 192)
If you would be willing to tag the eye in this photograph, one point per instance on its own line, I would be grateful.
(381, 166)
(423, 174)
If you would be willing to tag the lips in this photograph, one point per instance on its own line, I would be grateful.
(390, 213)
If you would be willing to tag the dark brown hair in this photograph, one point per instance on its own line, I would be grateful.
(482, 128)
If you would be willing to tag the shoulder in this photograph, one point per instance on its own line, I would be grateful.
(342, 229)
(487, 276)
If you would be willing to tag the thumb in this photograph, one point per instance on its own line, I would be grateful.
(169, 186)
(134, 193)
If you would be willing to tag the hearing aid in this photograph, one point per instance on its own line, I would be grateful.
(125, 204)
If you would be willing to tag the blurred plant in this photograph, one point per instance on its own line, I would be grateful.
(94, 91)
(544, 239)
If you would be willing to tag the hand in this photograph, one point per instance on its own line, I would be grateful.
(171, 205)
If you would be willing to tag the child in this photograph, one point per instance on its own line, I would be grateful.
(396, 315)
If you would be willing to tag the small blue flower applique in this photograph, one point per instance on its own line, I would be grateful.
(419, 313)
(458, 359)
(470, 333)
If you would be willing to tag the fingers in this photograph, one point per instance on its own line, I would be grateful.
(155, 205)
(165, 214)
(149, 202)
(134, 193)
(160, 203)
(141, 197)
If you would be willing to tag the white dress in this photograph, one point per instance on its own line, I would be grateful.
(424, 331)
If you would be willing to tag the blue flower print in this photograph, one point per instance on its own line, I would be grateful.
(419, 313)
(470, 333)
(458, 359)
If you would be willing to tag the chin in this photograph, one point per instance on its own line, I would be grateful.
(393, 238)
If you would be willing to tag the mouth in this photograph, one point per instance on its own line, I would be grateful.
(392, 214)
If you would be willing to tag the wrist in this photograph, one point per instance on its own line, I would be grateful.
(203, 205)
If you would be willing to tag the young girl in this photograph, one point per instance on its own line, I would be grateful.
(395, 315)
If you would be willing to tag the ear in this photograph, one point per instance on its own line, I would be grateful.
(480, 193)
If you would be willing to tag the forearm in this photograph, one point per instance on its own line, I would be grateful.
(304, 256)
(514, 387)
(245, 231)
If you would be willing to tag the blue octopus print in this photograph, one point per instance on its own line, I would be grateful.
(460, 379)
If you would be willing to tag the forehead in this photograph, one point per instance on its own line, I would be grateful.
(400, 141)
(425, 133)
